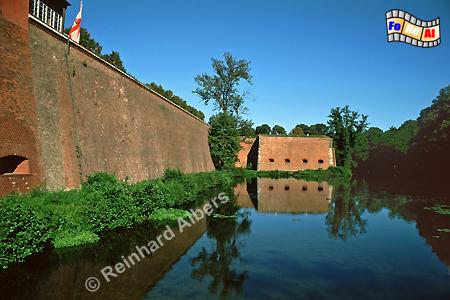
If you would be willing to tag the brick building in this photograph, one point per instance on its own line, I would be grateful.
(288, 153)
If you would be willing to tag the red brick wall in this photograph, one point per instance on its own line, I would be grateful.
(246, 145)
(98, 119)
(18, 120)
(295, 149)
(15, 11)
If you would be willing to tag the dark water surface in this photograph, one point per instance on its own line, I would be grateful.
(290, 239)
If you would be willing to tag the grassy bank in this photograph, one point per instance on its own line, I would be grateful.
(30, 222)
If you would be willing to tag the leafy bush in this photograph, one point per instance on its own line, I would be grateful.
(223, 141)
(109, 203)
(173, 174)
(22, 231)
(103, 203)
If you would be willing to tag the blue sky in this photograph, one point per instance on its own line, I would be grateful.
(306, 56)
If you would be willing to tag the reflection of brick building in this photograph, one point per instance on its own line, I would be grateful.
(289, 153)
(287, 195)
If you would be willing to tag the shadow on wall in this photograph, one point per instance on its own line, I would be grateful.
(14, 164)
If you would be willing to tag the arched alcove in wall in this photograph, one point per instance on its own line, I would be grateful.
(14, 164)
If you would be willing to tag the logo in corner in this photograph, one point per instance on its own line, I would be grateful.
(404, 27)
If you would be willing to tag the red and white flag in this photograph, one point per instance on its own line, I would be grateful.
(74, 33)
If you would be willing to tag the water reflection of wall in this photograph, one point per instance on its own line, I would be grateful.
(66, 280)
(287, 195)
(242, 196)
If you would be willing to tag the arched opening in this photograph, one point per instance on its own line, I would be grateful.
(320, 161)
(287, 160)
(320, 188)
(305, 161)
(14, 164)
(286, 188)
(271, 160)
(270, 187)
(304, 188)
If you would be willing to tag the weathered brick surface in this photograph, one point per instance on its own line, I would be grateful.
(72, 116)
(18, 121)
(291, 153)
(118, 126)
(246, 145)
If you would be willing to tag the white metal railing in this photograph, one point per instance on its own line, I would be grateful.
(47, 15)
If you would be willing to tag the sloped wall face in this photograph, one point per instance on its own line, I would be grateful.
(294, 153)
(93, 118)
(246, 145)
(18, 122)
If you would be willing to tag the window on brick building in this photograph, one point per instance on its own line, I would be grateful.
(320, 161)
(305, 161)
(320, 188)
(271, 160)
(287, 160)
(14, 164)
(270, 187)
(304, 188)
(286, 188)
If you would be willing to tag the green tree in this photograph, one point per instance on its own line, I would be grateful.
(263, 129)
(115, 60)
(223, 141)
(278, 130)
(245, 128)
(318, 129)
(345, 127)
(175, 99)
(400, 138)
(434, 121)
(374, 137)
(430, 147)
(297, 131)
(223, 87)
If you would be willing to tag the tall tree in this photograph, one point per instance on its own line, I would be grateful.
(223, 87)
(263, 129)
(278, 130)
(345, 127)
(223, 141)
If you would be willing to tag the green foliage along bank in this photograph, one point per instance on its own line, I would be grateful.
(30, 222)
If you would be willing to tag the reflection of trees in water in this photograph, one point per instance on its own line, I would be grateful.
(344, 218)
(351, 200)
(217, 262)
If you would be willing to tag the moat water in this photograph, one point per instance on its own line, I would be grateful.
(288, 239)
